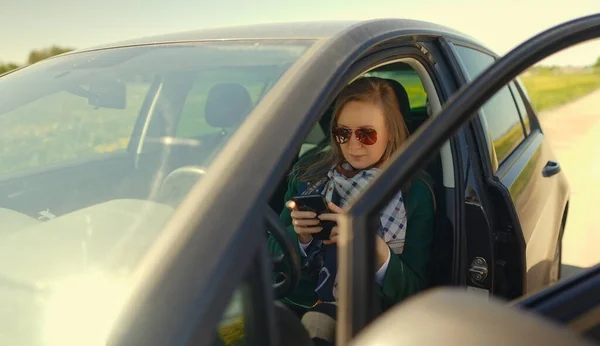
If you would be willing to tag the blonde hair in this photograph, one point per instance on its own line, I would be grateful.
(366, 89)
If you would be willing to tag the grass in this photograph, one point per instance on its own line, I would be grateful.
(505, 144)
(64, 127)
(547, 90)
(410, 81)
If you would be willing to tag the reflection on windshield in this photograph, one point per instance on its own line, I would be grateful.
(97, 150)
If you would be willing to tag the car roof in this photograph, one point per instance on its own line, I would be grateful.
(290, 30)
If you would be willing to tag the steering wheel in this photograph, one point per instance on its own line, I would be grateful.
(178, 183)
(288, 262)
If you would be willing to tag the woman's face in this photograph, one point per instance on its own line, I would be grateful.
(363, 115)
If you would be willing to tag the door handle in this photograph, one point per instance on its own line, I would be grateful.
(551, 169)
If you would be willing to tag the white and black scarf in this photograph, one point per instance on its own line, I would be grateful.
(346, 183)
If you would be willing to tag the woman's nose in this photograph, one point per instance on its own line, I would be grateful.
(353, 142)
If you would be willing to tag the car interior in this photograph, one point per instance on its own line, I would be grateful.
(167, 165)
(440, 180)
(414, 117)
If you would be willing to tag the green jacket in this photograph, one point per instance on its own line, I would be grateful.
(406, 274)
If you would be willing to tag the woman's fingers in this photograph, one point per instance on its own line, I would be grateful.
(307, 230)
(333, 237)
(334, 208)
(305, 222)
(291, 205)
(296, 214)
(329, 217)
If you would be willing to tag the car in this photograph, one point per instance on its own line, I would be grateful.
(138, 179)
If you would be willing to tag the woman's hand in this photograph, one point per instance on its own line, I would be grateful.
(305, 223)
(381, 249)
(336, 211)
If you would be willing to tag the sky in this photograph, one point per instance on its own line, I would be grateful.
(500, 25)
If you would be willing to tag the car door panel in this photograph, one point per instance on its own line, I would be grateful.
(516, 158)
(64, 187)
(540, 204)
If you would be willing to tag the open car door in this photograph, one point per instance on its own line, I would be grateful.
(569, 310)
(357, 269)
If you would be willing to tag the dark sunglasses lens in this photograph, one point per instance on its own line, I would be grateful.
(342, 135)
(366, 136)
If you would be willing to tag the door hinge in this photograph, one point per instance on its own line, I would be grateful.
(478, 270)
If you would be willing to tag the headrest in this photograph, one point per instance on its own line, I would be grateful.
(403, 101)
(226, 105)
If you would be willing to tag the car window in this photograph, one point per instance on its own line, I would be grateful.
(62, 126)
(231, 330)
(411, 82)
(474, 61)
(503, 123)
(521, 108)
(193, 121)
(63, 277)
(501, 116)
(521, 105)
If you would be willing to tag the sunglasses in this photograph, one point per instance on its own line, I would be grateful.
(364, 136)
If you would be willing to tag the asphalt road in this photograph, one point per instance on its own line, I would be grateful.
(574, 132)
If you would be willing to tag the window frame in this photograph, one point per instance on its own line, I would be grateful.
(481, 129)
(486, 128)
(522, 112)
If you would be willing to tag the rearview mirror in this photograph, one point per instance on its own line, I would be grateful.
(107, 93)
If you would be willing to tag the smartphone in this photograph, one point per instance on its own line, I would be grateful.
(318, 205)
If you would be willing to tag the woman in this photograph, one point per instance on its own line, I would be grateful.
(367, 128)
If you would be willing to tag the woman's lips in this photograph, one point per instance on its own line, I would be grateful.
(356, 157)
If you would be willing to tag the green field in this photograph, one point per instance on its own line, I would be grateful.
(64, 127)
(548, 90)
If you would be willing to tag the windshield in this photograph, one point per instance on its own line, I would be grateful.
(97, 149)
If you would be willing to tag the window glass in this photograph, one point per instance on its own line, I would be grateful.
(65, 275)
(193, 121)
(63, 126)
(231, 330)
(504, 123)
(474, 61)
(409, 79)
(521, 107)
(521, 103)
(500, 112)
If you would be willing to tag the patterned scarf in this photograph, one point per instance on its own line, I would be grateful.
(342, 184)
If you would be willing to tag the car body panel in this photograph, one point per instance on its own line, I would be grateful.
(295, 30)
(539, 202)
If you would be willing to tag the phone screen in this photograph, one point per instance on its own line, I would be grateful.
(318, 205)
(314, 203)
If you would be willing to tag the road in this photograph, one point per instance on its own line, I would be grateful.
(574, 132)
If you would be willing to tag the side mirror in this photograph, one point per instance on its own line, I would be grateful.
(107, 93)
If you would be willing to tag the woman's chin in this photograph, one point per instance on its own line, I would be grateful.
(359, 163)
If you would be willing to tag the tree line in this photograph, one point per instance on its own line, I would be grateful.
(35, 56)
